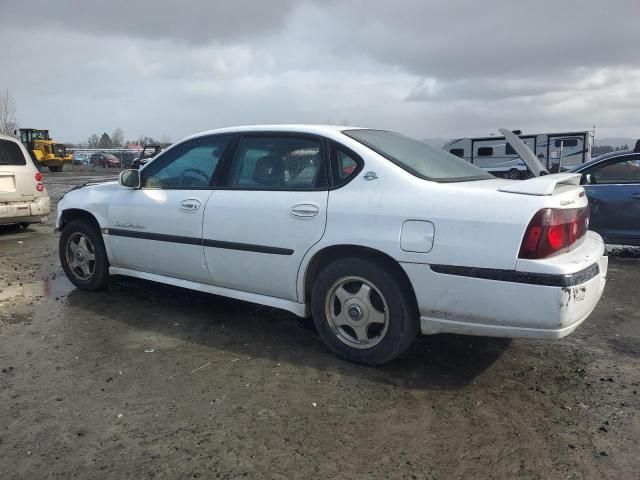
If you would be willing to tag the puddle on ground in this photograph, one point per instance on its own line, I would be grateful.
(54, 287)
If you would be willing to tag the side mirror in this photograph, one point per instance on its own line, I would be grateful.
(129, 178)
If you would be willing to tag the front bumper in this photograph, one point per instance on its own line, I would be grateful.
(28, 212)
(451, 303)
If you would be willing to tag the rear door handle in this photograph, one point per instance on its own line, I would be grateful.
(305, 210)
(190, 204)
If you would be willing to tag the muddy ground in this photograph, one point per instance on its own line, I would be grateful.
(150, 381)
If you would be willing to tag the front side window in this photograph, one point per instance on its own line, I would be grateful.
(458, 152)
(190, 165)
(622, 171)
(485, 151)
(418, 158)
(277, 163)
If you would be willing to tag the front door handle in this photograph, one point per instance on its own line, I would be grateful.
(305, 210)
(190, 204)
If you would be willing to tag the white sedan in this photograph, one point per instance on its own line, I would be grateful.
(376, 235)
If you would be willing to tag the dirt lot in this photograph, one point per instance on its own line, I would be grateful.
(149, 381)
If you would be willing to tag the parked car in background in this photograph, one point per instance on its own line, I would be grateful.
(23, 197)
(612, 183)
(126, 158)
(80, 158)
(103, 159)
(146, 155)
(376, 235)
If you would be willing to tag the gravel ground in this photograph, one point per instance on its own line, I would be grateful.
(151, 381)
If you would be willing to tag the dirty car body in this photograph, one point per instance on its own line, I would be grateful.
(376, 235)
(23, 196)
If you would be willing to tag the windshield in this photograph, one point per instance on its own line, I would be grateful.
(418, 158)
(41, 134)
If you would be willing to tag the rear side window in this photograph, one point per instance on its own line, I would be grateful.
(345, 164)
(418, 158)
(277, 163)
(508, 150)
(10, 154)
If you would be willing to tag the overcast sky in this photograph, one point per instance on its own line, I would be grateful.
(425, 68)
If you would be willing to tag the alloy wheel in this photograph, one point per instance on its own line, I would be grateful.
(81, 257)
(357, 312)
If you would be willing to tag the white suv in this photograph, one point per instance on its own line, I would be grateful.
(23, 197)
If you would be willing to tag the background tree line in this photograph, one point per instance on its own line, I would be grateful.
(117, 140)
(602, 149)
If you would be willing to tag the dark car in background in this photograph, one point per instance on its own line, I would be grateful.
(612, 184)
(103, 159)
(147, 154)
(80, 158)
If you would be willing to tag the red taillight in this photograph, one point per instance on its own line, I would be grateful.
(39, 187)
(551, 230)
(38, 177)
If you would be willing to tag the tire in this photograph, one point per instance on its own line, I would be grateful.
(92, 164)
(81, 270)
(513, 174)
(339, 303)
(57, 168)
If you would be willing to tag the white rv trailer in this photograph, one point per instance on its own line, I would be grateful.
(557, 152)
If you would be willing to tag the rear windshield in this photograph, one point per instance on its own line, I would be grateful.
(418, 158)
(10, 153)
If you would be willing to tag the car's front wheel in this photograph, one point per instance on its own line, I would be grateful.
(83, 256)
(363, 311)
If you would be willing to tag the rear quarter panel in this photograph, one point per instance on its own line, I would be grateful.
(475, 225)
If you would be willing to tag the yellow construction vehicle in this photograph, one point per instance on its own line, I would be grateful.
(44, 151)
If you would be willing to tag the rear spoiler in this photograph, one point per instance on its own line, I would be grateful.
(544, 185)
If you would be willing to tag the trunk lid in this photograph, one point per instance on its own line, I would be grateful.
(527, 156)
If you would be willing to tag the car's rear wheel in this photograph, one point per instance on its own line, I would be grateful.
(364, 312)
(513, 174)
(83, 256)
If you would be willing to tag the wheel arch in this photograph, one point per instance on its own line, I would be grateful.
(328, 254)
(75, 214)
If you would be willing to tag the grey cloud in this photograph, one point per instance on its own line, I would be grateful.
(464, 39)
(189, 21)
(425, 68)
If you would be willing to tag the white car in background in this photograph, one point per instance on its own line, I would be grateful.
(375, 235)
(23, 197)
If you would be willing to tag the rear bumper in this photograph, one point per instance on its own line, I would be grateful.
(29, 212)
(549, 308)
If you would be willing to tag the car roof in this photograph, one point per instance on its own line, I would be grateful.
(603, 157)
(10, 138)
(294, 128)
